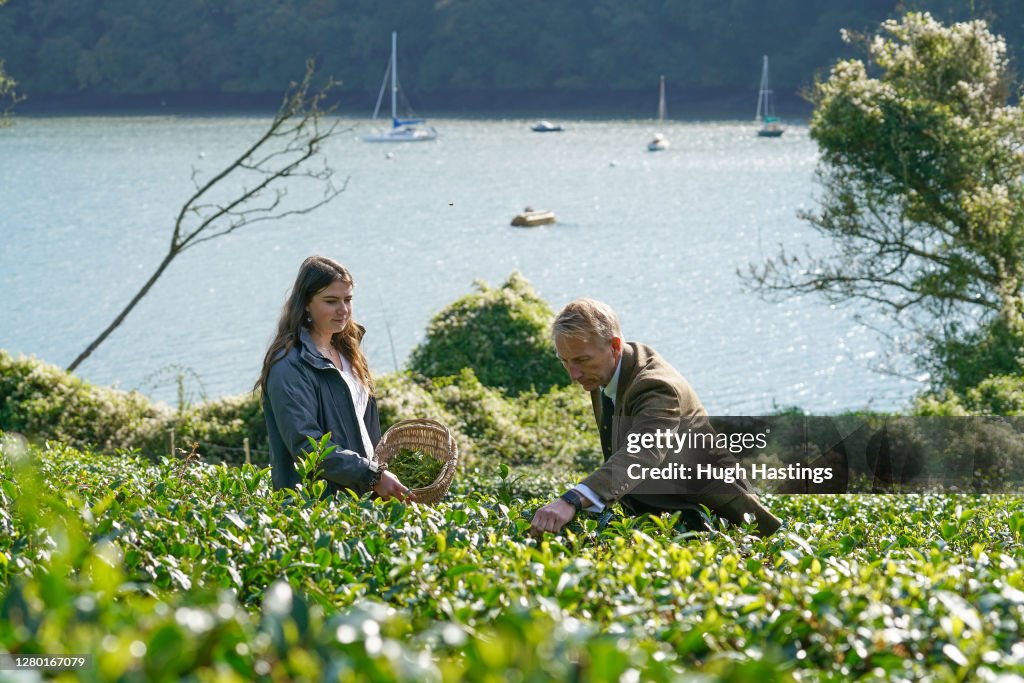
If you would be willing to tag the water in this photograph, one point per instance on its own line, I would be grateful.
(89, 205)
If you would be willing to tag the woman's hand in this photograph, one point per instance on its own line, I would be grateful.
(389, 487)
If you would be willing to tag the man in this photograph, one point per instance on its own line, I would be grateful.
(631, 383)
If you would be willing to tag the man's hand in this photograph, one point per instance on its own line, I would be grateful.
(389, 487)
(552, 517)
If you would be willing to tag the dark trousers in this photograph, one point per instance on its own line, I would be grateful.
(690, 518)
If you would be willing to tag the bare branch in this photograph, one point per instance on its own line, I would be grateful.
(292, 212)
(255, 183)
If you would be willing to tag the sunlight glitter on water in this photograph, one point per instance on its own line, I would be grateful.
(90, 203)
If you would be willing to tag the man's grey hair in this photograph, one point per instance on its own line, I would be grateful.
(587, 319)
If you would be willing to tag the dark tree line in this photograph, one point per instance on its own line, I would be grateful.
(115, 47)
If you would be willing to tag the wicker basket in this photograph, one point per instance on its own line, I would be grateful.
(430, 437)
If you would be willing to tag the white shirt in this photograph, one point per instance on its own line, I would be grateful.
(609, 391)
(360, 399)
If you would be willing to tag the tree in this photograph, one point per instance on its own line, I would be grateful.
(8, 95)
(252, 188)
(922, 170)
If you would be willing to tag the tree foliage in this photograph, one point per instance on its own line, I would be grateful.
(922, 172)
(8, 95)
(113, 47)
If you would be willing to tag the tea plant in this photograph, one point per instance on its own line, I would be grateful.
(212, 575)
(415, 468)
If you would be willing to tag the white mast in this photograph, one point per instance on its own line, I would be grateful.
(401, 130)
(394, 77)
(661, 102)
(763, 92)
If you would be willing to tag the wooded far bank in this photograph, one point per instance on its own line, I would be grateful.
(457, 55)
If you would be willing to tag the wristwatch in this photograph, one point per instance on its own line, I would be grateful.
(573, 498)
(377, 470)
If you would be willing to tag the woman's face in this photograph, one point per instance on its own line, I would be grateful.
(331, 308)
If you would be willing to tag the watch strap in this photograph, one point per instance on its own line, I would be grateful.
(573, 498)
(377, 470)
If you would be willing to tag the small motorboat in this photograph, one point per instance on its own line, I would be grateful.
(658, 144)
(546, 127)
(530, 218)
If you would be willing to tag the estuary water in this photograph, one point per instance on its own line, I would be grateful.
(89, 203)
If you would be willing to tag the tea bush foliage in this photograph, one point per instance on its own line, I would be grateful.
(162, 572)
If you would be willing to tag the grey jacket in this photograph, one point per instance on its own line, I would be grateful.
(305, 395)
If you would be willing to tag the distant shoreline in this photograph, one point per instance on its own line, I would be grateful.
(683, 104)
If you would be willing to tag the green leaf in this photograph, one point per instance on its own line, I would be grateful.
(236, 520)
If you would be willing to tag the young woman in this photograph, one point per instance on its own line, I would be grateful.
(316, 380)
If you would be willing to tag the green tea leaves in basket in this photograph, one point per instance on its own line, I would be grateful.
(414, 468)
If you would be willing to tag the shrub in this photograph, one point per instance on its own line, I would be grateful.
(497, 384)
(404, 396)
(221, 426)
(999, 395)
(996, 395)
(221, 578)
(987, 453)
(966, 360)
(561, 424)
(946, 404)
(502, 334)
(42, 401)
(555, 429)
(484, 415)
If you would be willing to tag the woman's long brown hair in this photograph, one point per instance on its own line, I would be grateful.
(315, 274)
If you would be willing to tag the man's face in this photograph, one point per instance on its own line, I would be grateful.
(589, 362)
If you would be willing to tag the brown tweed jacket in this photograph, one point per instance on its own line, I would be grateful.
(651, 395)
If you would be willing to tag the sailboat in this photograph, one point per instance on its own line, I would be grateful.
(402, 130)
(770, 127)
(660, 142)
